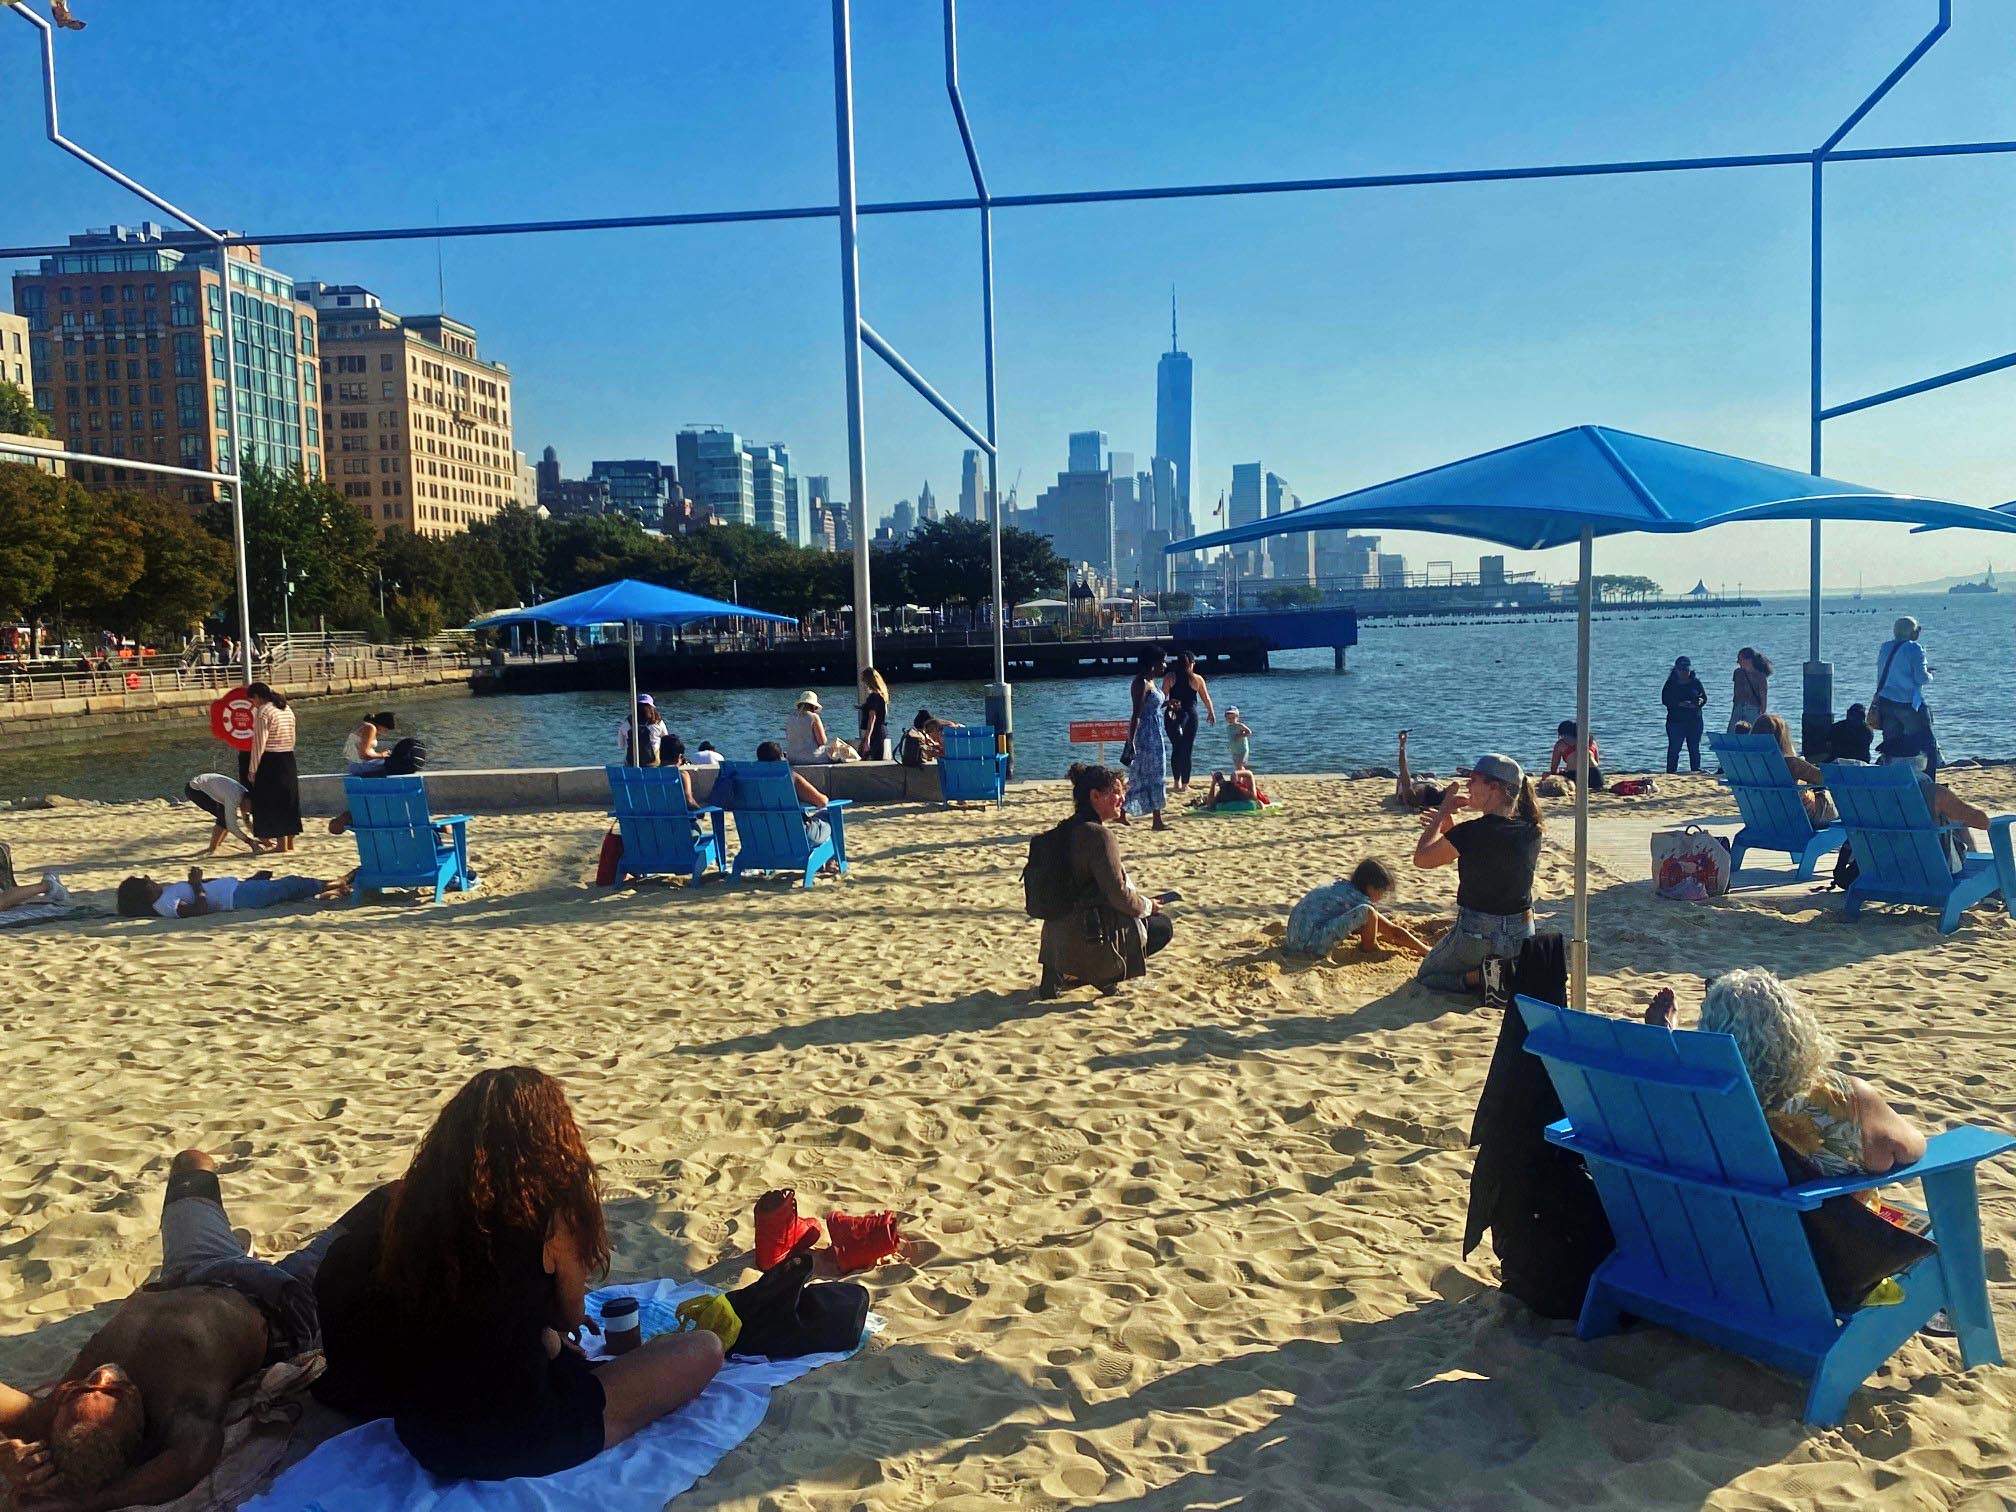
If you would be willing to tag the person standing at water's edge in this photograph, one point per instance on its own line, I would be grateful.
(874, 716)
(1184, 689)
(1751, 691)
(1901, 714)
(272, 775)
(1144, 754)
(1684, 698)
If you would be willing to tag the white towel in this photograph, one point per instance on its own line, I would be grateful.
(369, 1470)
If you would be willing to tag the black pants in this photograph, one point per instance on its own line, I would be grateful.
(1160, 931)
(1182, 741)
(1685, 732)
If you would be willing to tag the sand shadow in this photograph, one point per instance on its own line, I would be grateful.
(975, 1011)
(1403, 1008)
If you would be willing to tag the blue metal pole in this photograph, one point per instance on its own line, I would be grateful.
(850, 322)
(1922, 386)
(881, 348)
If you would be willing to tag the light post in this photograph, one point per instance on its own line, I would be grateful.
(286, 604)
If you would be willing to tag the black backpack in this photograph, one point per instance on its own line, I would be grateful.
(1048, 888)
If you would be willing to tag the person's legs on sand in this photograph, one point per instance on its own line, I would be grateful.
(661, 1375)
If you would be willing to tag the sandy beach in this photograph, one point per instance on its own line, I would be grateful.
(1193, 1245)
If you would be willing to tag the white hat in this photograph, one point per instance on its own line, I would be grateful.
(809, 700)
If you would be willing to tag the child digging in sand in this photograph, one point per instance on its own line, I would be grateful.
(1332, 914)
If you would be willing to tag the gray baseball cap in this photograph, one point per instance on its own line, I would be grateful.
(1500, 769)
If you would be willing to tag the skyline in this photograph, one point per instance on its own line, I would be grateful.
(1343, 338)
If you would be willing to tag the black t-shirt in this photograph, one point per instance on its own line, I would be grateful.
(1495, 860)
(1848, 740)
(874, 726)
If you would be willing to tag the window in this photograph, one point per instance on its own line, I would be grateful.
(91, 371)
(71, 401)
(154, 419)
(192, 451)
(132, 393)
(86, 295)
(350, 364)
(105, 293)
(153, 367)
(91, 396)
(147, 292)
(388, 390)
(355, 420)
(116, 420)
(154, 392)
(63, 296)
(388, 362)
(186, 355)
(188, 406)
(182, 304)
(70, 371)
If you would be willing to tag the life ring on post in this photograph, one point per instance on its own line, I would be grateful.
(132, 682)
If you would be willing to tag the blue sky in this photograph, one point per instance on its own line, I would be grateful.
(1341, 338)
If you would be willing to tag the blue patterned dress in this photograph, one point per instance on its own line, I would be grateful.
(1148, 775)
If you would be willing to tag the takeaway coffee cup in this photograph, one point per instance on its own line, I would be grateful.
(620, 1333)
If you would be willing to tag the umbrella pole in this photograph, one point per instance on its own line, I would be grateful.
(1578, 991)
(636, 733)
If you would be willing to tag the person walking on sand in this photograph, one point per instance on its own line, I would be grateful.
(1684, 698)
(1751, 688)
(1901, 714)
(272, 775)
(1146, 755)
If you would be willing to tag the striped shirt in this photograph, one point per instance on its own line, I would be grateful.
(277, 725)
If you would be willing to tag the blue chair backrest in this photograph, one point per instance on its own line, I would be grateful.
(395, 833)
(656, 792)
(1766, 793)
(1692, 1152)
(970, 744)
(769, 819)
(1896, 839)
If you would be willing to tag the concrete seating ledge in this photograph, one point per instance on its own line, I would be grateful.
(532, 788)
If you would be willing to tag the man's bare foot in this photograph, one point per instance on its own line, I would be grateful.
(1663, 1012)
(1158, 825)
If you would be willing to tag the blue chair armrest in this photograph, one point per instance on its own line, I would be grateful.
(707, 811)
(1964, 1146)
(835, 803)
(439, 820)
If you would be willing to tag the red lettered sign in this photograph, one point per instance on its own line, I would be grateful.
(1098, 731)
(231, 719)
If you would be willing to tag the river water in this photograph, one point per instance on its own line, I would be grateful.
(1463, 688)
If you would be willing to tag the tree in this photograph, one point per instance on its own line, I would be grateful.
(414, 616)
(18, 415)
(949, 561)
(1028, 564)
(1290, 595)
(33, 530)
(326, 541)
(102, 559)
(520, 538)
(1174, 603)
(186, 571)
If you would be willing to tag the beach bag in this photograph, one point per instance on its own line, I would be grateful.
(1635, 787)
(1048, 891)
(611, 858)
(837, 750)
(1689, 863)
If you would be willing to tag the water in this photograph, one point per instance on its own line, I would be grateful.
(1462, 688)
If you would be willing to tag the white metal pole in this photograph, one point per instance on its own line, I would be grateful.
(235, 465)
(1578, 992)
(850, 320)
(636, 733)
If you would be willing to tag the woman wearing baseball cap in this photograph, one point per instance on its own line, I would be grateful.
(1496, 854)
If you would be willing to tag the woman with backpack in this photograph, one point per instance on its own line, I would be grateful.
(1098, 928)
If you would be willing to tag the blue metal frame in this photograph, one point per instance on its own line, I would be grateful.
(847, 211)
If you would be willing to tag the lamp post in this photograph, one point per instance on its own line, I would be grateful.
(286, 603)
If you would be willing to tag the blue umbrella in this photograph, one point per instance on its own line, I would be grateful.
(628, 603)
(1577, 484)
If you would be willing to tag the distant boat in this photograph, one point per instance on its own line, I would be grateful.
(1858, 587)
(1986, 585)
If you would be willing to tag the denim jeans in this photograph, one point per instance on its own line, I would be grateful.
(1476, 937)
(253, 893)
(1683, 731)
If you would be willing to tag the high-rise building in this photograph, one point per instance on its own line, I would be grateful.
(717, 474)
(526, 495)
(548, 471)
(903, 519)
(772, 498)
(969, 484)
(1392, 570)
(16, 365)
(1291, 558)
(1087, 452)
(1175, 441)
(636, 487)
(419, 425)
(927, 504)
(1248, 504)
(1491, 571)
(127, 343)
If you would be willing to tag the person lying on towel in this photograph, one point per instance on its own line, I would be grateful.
(139, 1415)
(448, 1305)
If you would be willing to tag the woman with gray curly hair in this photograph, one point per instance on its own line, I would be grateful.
(1837, 1121)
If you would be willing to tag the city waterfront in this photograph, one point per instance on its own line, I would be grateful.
(1455, 685)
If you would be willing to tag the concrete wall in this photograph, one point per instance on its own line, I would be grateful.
(532, 788)
(32, 720)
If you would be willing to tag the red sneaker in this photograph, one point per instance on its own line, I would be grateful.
(860, 1242)
(779, 1230)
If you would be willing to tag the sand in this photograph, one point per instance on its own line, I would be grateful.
(1193, 1245)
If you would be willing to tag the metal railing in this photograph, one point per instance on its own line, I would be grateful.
(24, 681)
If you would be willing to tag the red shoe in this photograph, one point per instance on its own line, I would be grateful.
(780, 1232)
(860, 1242)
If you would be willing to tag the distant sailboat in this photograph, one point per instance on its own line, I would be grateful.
(1858, 587)
(1986, 585)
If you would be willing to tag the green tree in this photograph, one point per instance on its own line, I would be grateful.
(186, 572)
(102, 559)
(519, 538)
(414, 616)
(33, 531)
(1174, 603)
(1290, 595)
(326, 541)
(1029, 565)
(18, 415)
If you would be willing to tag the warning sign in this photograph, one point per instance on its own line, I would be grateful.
(231, 719)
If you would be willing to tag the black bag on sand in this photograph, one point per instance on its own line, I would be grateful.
(1846, 868)
(1048, 891)
(784, 1318)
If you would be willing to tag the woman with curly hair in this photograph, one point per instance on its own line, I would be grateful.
(1838, 1121)
(448, 1302)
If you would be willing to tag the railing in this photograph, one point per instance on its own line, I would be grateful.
(37, 682)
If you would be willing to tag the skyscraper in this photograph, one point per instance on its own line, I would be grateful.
(1175, 441)
(636, 487)
(1088, 452)
(1076, 513)
(717, 474)
(969, 484)
(927, 504)
(772, 499)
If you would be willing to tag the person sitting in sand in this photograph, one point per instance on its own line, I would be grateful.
(449, 1302)
(49, 890)
(1837, 1121)
(139, 1415)
(140, 897)
(1412, 794)
(1561, 761)
(1339, 911)
(1240, 791)
(1496, 856)
(1819, 807)
(228, 803)
(1113, 927)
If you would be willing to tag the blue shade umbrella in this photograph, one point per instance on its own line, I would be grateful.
(628, 603)
(1574, 485)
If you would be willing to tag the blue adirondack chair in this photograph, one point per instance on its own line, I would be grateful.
(1709, 1240)
(399, 844)
(1898, 851)
(770, 829)
(660, 833)
(971, 770)
(1768, 797)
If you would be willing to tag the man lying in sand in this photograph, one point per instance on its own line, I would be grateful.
(139, 1415)
(141, 896)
